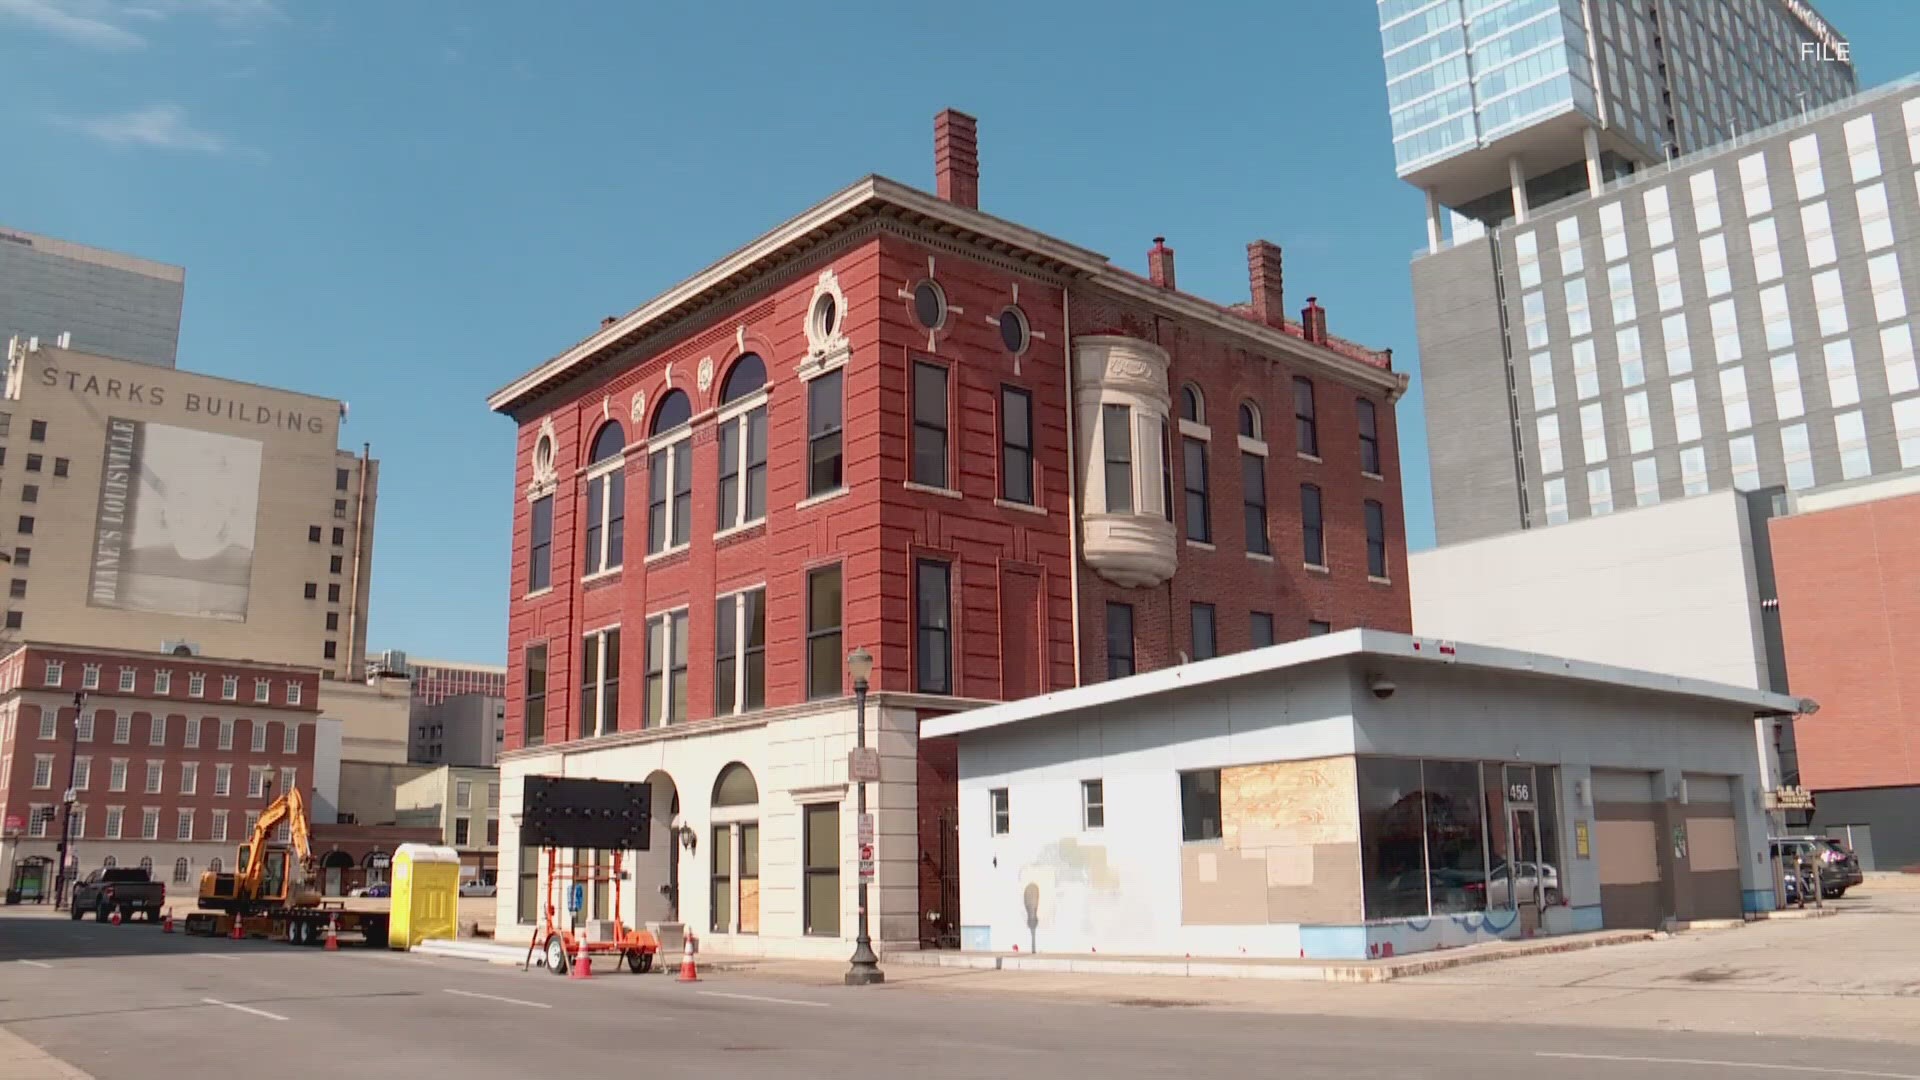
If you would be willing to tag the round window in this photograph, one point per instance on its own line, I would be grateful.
(826, 316)
(543, 454)
(1014, 333)
(929, 305)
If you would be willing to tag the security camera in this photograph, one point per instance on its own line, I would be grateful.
(1381, 686)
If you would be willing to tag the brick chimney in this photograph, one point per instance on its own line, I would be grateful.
(956, 158)
(608, 321)
(1160, 263)
(1313, 321)
(1264, 278)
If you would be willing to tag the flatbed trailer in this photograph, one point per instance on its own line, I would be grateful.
(296, 926)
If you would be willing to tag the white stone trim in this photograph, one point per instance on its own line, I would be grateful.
(1253, 446)
(1025, 508)
(929, 489)
(825, 496)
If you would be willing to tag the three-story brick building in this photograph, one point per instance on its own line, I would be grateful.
(997, 462)
(171, 762)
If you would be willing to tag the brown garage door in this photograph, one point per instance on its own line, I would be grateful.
(1626, 849)
(1712, 866)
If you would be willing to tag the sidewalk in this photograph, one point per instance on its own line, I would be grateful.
(933, 962)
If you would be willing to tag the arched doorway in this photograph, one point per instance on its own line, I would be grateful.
(334, 867)
(376, 864)
(733, 853)
(656, 871)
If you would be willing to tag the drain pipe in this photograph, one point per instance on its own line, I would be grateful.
(1073, 478)
(359, 553)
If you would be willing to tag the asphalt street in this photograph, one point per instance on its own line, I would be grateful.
(130, 1002)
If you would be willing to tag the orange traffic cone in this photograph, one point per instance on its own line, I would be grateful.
(114, 919)
(238, 933)
(688, 972)
(582, 966)
(166, 921)
(333, 934)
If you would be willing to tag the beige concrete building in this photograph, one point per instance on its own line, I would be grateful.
(159, 510)
(369, 790)
(373, 718)
(464, 804)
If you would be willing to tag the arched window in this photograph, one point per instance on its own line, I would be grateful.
(180, 871)
(674, 411)
(670, 477)
(147, 865)
(1250, 420)
(109, 863)
(743, 447)
(749, 373)
(608, 443)
(213, 865)
(735, 787)
(1193, 407)
(607, 500)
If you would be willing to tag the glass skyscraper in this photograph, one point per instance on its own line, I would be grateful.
(113, 305)
(1499, 105)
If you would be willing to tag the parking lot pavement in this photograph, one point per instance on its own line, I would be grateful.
(129, 1002)
(1856, 973)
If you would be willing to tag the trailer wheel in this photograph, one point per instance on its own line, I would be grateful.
(556, 955)
(299, 933)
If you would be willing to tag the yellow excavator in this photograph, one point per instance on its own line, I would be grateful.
(267, 877)
(270, 895)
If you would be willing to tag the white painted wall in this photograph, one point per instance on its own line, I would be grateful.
(798, 757)
(1117, 890)
(326, 772)
(1662, 588)
(1138, 752)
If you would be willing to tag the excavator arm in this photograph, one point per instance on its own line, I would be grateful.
(290, 808)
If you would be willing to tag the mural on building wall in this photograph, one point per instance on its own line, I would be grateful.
(175, 528)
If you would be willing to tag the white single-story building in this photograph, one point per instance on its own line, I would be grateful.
(1355, 795)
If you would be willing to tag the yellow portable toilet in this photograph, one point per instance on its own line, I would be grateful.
(426, 895)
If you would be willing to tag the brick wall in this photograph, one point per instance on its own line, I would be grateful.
(1850, 615)
(1226, 576)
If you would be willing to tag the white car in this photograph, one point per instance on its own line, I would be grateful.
(477, 888)
(1528, 877)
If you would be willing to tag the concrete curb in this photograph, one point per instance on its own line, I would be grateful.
(1286, 971)
(514, 956)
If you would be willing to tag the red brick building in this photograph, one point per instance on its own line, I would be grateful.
(1848, 568)
(991, 458)
(176, 755)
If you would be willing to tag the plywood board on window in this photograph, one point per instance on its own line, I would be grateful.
(1289, 803)
(1627, 852)
(1219, 887)
(1711, 846)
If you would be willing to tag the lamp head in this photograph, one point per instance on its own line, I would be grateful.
(859, 664)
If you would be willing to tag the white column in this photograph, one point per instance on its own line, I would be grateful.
(1433, 221)
(1592, 140)
(1518, 181)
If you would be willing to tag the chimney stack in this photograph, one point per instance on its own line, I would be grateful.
(607, 321)
(1313, 321)
(1264, 278)
(1160, 263)
(956, 158)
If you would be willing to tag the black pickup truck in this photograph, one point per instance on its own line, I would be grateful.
(130, 891)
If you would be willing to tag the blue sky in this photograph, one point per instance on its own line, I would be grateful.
(406, 204)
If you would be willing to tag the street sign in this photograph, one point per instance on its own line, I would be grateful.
(866, 862)
(15, 823)
(863, 831)
(863, 765)
(1792, 798)
(577, 897)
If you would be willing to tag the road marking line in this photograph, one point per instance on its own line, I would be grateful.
(496, 997)
(1757, 1065)
(243, 1008)
(217, 955)
(772, 1000)
(38, 964)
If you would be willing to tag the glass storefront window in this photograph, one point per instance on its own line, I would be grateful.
(1449, 837)
(1456, 836)
(1393, 827)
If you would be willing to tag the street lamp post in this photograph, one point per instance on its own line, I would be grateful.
(66, 816)
(865, 965)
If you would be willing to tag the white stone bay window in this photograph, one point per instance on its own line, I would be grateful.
(1122, 411)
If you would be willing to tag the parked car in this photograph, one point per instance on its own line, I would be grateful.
(130, 891)
(477, 887)
(1838, 868)
(1530, 881)
(375, 891)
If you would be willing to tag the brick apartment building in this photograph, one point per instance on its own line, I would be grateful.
(994, 460)
(1844, 561)
(172, 762)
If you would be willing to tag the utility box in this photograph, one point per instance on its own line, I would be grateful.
(426, 895)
